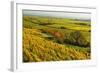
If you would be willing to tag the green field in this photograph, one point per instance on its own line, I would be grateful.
(55, 39)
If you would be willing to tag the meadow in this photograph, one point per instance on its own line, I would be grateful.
(55, 39)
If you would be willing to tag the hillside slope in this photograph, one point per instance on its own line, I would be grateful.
(37, 49)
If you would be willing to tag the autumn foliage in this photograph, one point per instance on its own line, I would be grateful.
(55, 39)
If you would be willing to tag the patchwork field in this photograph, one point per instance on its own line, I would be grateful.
(55, 39)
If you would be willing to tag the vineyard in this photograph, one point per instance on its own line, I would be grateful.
(53, 39)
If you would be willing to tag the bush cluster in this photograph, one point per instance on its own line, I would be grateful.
(76, 38)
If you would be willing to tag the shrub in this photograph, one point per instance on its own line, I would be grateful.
(81, 23)
(89, 30)
(76, 38)
(63, 27)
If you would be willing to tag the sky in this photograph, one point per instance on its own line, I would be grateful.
(73, 15)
